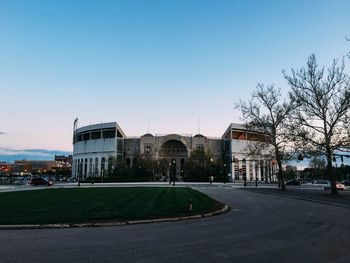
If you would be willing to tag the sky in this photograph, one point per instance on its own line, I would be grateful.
(157, 66)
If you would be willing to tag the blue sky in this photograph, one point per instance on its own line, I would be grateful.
(166, 63)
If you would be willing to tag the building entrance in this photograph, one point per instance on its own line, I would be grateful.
(176, 153)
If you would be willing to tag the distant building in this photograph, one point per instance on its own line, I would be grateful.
(60, 165)
(33, 166)
(5, 167)
(97, 146)
(64, 160)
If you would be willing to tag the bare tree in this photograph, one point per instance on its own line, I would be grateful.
(266, 114)
(317, 162)
(321, 123)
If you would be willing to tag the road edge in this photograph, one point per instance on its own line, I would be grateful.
(225, 209)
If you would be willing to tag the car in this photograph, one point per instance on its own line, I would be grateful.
(293, 182)
(340, 186)
(40, 181)
(346, 182)
(327, 185)
(20, 181)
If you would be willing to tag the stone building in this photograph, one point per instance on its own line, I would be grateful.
(95, 147)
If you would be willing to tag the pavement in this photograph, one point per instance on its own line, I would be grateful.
(311, 195)
(258, 228)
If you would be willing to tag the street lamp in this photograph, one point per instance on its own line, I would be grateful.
(169, 172)
(256, 174)
(174, 171)
(225, 176)
(211, 177)
(79, 173)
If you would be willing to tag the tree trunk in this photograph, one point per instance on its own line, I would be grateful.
(330, 173)
(280, 172)
(280, 175)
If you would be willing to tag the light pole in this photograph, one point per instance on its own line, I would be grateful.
(256, 174)
(211, 177)
(170, 172)
(79, 172)
(174, 171)
(225, 176)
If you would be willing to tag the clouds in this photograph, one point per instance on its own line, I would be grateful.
(2, 133)
(9, 154)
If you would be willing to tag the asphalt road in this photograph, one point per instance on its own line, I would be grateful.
(259, 228)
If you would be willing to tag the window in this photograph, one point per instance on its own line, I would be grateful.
(147, 148)
(86, 136)
(200, 147)
(120, 145)
(109, 133)
(96, 166)
(119, 135)
(110, 165)
(96, 135)
(103, 162)
(85, 167)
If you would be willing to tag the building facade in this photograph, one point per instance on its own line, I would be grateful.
(94, 148)
(237, 139)
(98, 148)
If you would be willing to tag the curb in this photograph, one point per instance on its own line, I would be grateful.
(304, 199)
(225, 209)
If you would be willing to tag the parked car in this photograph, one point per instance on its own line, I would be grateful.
(340, 186)
(327, 185)
(20, 181)
(293, 182)
(324, 183)
(346, 182)
(40, 181)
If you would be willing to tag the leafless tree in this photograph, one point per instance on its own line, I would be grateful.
(317, 162)
(321, 124)
(266, 113)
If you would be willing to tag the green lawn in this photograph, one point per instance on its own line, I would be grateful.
(78, 205)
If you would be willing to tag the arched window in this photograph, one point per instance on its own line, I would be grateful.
(90, 167)
(110, 166)
(96, 167)
(85, 167)
(182, 164)
(103, 163)
(244, 169)
(76, 168)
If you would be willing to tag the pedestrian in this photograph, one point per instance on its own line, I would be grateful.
(189, 207)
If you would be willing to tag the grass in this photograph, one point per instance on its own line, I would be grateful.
(78, 205)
